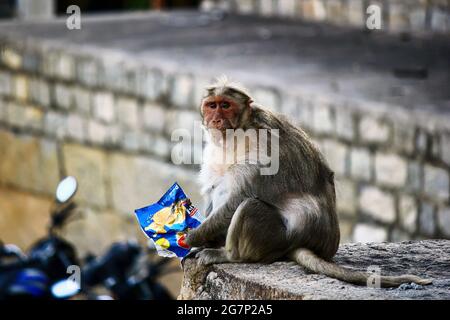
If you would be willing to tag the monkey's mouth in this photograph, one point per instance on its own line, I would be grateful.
(221, 127)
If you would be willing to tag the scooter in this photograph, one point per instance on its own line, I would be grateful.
(33, 275)
(125, 270)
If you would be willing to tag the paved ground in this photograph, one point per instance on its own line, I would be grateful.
(298, 55)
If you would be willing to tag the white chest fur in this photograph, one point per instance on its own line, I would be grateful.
(217, 160)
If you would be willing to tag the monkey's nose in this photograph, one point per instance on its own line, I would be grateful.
(217, 122)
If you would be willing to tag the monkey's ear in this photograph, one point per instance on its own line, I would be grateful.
(249, 102)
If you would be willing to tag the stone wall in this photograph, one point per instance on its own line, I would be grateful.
(58, 117)
(416, 16)
(106, 118)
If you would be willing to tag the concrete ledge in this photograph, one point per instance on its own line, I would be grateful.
(286, 280)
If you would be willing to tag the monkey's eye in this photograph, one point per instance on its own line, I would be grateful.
(224, 105)
(211, 105)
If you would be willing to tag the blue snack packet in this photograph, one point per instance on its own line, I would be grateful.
(167, 221)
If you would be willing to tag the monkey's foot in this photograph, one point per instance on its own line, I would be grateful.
(211, 256)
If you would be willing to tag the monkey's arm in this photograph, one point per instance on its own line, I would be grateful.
(216, 225)
(208, 205)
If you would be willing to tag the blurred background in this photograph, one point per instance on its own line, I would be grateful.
(100, 102)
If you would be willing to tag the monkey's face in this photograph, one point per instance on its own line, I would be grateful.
(220, 113)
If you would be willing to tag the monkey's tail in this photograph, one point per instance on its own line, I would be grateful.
(312, 262)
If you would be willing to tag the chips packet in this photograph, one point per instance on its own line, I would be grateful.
(167, 221)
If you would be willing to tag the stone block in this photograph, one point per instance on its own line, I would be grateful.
(346, 229)
(159, 146)
(323, 119)
(127, 112)
(200, 85)
(154, 117)
(290, 108)
(266, 7)
(132, 140)
(372, 130)
(408, 213)
(345, 125)
(245, 7)
(336, 153)
(399, 236)
(417, 19)
(20, 87)
(436, 182)
(314, 10)
(445, 147)
(305, 113)
(11, 57)
(444, 221)
(427, 222)
(62, 95)
(28, 163)
(181, 92)
(40, 92)
(76, 127)
(365, 233)
(64, 67)
(103, 107)
(423, 141)
(90, 167)
(336, 12)
(181, 120)
(346, 197)
(82, 99)
(287, 8)
(404, 137)
(97, 132)
(439, 20)
(152, 84)
(360, 164)
(398, 16)
(378, 204)
(3, 110)
(23, 217)
(87, 71)
(25, 116)
(55, 124)
(267, 97)
(356, 13)
(390, 170)
(415, 177)
(112, 72)
(5, 84)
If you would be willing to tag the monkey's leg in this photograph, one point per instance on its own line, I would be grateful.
(256, 234)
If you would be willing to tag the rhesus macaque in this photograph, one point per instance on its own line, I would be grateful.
(263, 218)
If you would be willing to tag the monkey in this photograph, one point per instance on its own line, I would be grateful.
(255, 218)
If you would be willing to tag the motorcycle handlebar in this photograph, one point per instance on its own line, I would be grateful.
(59, 216)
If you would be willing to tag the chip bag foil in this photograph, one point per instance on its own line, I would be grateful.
(167, 221)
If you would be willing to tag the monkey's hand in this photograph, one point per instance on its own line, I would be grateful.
(194, 238)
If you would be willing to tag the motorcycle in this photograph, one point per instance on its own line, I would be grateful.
(125, 270)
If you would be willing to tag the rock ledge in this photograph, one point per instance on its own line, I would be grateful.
(286, 280)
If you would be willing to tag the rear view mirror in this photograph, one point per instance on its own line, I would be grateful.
(65, 289)
(66, 189)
